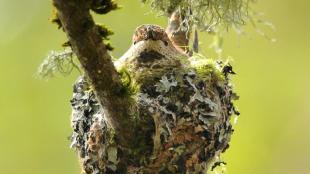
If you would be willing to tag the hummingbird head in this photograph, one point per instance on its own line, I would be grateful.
(150, 32)
(151, 48)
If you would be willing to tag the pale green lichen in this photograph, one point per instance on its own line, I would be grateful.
(215, 17)
(58, 62)
(205, 14)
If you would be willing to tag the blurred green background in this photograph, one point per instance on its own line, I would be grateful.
(272, 135)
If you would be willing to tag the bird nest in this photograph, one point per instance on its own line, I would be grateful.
(186, 113)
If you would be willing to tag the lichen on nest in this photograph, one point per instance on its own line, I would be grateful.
(186, 111)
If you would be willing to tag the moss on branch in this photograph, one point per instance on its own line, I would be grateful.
(85, 38)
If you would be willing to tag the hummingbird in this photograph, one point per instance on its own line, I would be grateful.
(151, 49)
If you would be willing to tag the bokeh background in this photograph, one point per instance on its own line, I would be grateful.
(272, 135)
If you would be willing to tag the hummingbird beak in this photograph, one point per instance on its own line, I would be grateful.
(149, 34)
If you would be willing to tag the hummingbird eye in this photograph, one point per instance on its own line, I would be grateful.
(166, 43)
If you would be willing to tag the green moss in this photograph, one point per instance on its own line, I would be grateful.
(54, 18)
(129, 85)
(66, 44)
(108, 46)
(208, 69)
(104, 31)
(100, 7)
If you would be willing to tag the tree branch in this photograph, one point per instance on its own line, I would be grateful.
(87, 44)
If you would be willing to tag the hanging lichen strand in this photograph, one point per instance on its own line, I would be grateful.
(207, 15)
(183, 106)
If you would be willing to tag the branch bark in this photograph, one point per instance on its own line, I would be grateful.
(93, 55)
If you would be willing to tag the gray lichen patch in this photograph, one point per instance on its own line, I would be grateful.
(91, 138)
